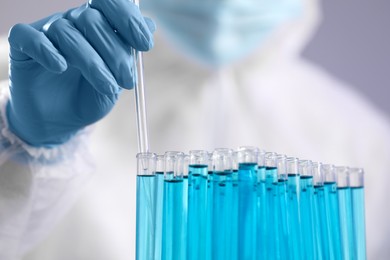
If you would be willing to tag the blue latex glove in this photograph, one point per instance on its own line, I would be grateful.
(67, 70)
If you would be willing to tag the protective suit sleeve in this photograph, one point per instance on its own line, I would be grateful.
(37, 185)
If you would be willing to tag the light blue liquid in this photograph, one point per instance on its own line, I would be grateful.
(332, 220)
(222, 215)
(174, 222)
(320, 223)
(281, 219)
(261, 212)
(359, 222)
(247, 211)
(185, 191)
(346, 223)
(146, 208)
(271, 180)
(159, 213)
(307, 217)
(197, 212)
(293, 216)
(234, 216)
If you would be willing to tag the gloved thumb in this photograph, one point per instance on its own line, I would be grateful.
(26, 42)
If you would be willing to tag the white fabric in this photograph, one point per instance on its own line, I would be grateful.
(273, 99)
(37, 186)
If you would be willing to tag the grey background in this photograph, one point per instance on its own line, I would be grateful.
(352, 43)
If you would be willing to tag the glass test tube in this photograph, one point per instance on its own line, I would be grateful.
(345, 213)
(332, 211)
(222, 188)
(197, 205)
(281, 216)
(307, 209)
(322, 247)
(235, 213)
(271, 201)
(261, 207)
(174, 222)
(356, 181)
(146, 206)
(186, 165)
(160, 169)
(247, 202)
(293, 204)
(210, 187)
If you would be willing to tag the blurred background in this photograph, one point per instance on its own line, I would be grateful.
(352, 42)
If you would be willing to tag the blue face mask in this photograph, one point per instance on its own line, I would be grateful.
(217, 32)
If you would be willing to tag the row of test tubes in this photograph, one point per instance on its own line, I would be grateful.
(247, 204)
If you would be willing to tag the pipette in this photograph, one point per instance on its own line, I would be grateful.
(140, 105)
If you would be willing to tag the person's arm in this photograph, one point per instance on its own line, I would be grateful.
(66, 73)
(37, 185)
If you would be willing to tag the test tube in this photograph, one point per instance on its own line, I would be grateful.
(197, 205)
(174, 222)
(261, 205)
(307, 209)
(281, 215)
(356, 178)
(322, 246)
(146, 206)
(222, 204)
(235, 212)
(332, 211)
(345, 213)
(160, 169)
(271, 201)
(247, 201)
(293, 204)
(186, 164)
(210, 209)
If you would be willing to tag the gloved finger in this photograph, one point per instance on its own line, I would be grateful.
(126, 19)
(28, 43)
(81, 55)
(115, 53)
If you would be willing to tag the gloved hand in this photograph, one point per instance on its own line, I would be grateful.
(67, 70)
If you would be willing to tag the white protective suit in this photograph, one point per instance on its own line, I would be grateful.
(273, 99)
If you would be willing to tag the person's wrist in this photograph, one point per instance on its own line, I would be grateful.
(33, 135)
